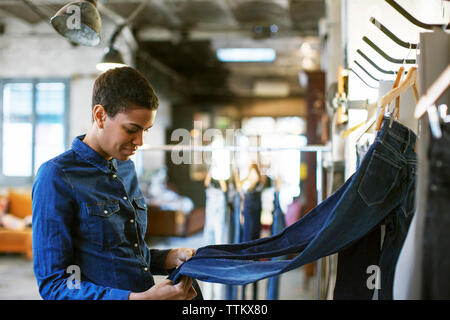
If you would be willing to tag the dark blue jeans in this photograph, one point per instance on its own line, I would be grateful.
(251, 228)
(382, 188)
(278, 225)
(252, 216)
(235, 207)
(436, 244)
(353, 261)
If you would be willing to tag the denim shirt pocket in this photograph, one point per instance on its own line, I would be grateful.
(140, 206)
(379, 179)
(105, 224)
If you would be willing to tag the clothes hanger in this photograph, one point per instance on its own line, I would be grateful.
(208, 178)
(383, 104)
(368, 124)
(397, 100)
(341, 98)
(278, 182)
(410, 81)
(237, 181)
(253, 182)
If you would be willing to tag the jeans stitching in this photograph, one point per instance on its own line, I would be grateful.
(364, 177)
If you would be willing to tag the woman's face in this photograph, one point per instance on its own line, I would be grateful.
(124, 133)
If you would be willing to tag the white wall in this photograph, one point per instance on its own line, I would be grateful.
(38, 51)
(358, 25)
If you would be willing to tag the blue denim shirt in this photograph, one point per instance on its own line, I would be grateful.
(90, 213)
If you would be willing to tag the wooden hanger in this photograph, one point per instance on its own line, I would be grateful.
(222, 182)
(253, 168)
(278, 183)
(397, 102)
(367, 124)
(410, 81)
(237, 181)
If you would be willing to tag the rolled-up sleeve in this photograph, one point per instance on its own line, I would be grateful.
(54, 209)
(158, 259)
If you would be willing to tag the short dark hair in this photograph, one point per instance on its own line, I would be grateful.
(123, 88)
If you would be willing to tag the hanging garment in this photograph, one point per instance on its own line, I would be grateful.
(234, 204)
(436, 243)
(278, 226)
(251, 228)
(252, 215)
(382, 188)
(215, 231)
(354, 261)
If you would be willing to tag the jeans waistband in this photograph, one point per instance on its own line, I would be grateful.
(398, 136)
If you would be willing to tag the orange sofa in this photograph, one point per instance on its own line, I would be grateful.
(17, 241)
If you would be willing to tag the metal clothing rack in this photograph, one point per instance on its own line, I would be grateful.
(318, 149)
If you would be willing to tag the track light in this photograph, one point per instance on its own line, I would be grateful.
(112, 59)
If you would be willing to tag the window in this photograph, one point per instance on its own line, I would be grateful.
(33, 126)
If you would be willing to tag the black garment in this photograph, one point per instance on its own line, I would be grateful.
(353, 261)
(436, 245)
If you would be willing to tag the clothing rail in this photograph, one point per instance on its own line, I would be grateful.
(311, 148)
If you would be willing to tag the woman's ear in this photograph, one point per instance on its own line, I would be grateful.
(99, 115)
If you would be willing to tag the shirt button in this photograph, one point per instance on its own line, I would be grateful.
(105, 212)
(125, 198)
(135, 245)
(145, 269)
(132, 221)
(114, 176)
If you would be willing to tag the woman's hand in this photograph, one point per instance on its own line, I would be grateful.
(177, 256)
(166, 290)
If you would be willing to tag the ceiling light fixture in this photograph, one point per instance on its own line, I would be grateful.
(112, 59)
(246, 54)
(80, 22)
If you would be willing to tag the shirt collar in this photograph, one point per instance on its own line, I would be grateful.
(92, 156)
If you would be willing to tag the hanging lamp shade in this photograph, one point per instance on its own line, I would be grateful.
(80, 22)
(112, 59)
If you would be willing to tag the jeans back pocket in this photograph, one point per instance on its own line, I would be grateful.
(379, 178)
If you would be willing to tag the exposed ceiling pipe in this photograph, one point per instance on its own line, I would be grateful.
(124, 28)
